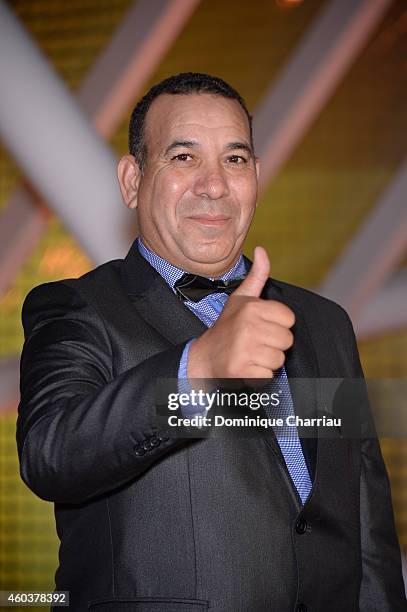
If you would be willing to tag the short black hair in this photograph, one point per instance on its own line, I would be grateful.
(183, 83)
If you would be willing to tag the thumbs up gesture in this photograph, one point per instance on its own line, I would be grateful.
(250, 336)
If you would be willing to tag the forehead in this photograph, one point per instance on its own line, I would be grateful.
(180, 115)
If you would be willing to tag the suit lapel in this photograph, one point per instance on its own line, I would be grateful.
(164, 312)
(302, 366)
(301, 359)
(302, 370)
(156, 302)
(303, 373)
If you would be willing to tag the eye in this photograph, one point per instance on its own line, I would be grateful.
(183, 157)
(237, 159)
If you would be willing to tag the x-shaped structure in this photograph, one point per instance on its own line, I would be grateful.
(59, 142)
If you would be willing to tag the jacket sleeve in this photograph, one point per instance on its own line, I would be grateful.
(80, 431)
(382, 588)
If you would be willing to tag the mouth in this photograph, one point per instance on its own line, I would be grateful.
(210, 220)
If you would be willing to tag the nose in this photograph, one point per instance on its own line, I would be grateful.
(211, 182)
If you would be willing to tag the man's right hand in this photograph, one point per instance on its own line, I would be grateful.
(250, 336)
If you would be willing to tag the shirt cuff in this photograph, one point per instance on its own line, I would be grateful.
(195, 408)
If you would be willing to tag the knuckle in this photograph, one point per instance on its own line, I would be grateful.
(251, 307)
(245, 312)
(278, 359)
(282, 359)
(289, 339)
(233, 367)
(284, 314)
(290, 318)
(241, 345)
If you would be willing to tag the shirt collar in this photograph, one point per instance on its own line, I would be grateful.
(171, 273)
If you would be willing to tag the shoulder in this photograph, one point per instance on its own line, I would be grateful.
(64, 288)
(312, 304)
(74, 295)
(328, 324)
(313, 307)
(327, 321)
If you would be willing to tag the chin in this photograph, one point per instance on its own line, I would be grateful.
(211, 254)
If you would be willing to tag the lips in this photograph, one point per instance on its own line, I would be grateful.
(206, 219)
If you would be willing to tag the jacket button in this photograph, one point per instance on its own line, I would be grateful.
(139, 451)
(147, 445)
(163, 438)
(301, 608)
(301, 527)
(154, 441)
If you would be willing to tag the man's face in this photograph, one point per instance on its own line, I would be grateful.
(197, 195)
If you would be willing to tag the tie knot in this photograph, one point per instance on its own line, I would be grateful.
(194, 288)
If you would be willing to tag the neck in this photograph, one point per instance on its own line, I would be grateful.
(208, 270)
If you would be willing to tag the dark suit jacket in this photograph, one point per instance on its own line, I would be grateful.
(152, 523)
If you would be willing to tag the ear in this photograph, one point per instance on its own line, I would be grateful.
(257, 164)
(129, 175)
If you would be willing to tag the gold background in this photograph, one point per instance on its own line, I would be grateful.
(305, 219)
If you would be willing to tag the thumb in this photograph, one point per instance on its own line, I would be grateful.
(254, 282)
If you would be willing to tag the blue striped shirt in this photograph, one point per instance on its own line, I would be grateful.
(207, 310)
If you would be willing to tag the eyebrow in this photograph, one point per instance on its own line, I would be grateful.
(189, 144)
(232, 146)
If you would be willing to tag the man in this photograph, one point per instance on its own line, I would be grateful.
(153, 522)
